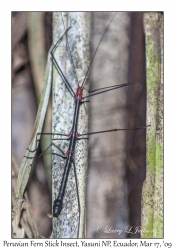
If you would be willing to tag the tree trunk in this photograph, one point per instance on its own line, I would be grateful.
(152, 200)
(66, 226)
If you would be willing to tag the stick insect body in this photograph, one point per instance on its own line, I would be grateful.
(74, 135)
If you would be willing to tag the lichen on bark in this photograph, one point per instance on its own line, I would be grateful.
(152, 199)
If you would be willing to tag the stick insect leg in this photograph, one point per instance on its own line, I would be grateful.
(78, 198)
(37, 140)
(69, 50)
(58, 67)
(52, 144)
(113, 86)
(114, 130)
(106, 89)
(84, 138)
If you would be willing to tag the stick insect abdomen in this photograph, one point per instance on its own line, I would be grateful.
(70, 154)
(57, 207)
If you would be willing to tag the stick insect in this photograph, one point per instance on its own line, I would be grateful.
(73, 136)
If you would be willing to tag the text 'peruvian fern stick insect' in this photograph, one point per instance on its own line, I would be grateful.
(72, 137)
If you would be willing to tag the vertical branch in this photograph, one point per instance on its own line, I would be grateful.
(25, 167)
(152, 203)
(37, 49)
(38, 62)
(66, 226)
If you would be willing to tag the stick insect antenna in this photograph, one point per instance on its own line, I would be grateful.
(85, 78)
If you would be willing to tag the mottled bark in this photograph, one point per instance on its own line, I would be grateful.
(78, 36)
